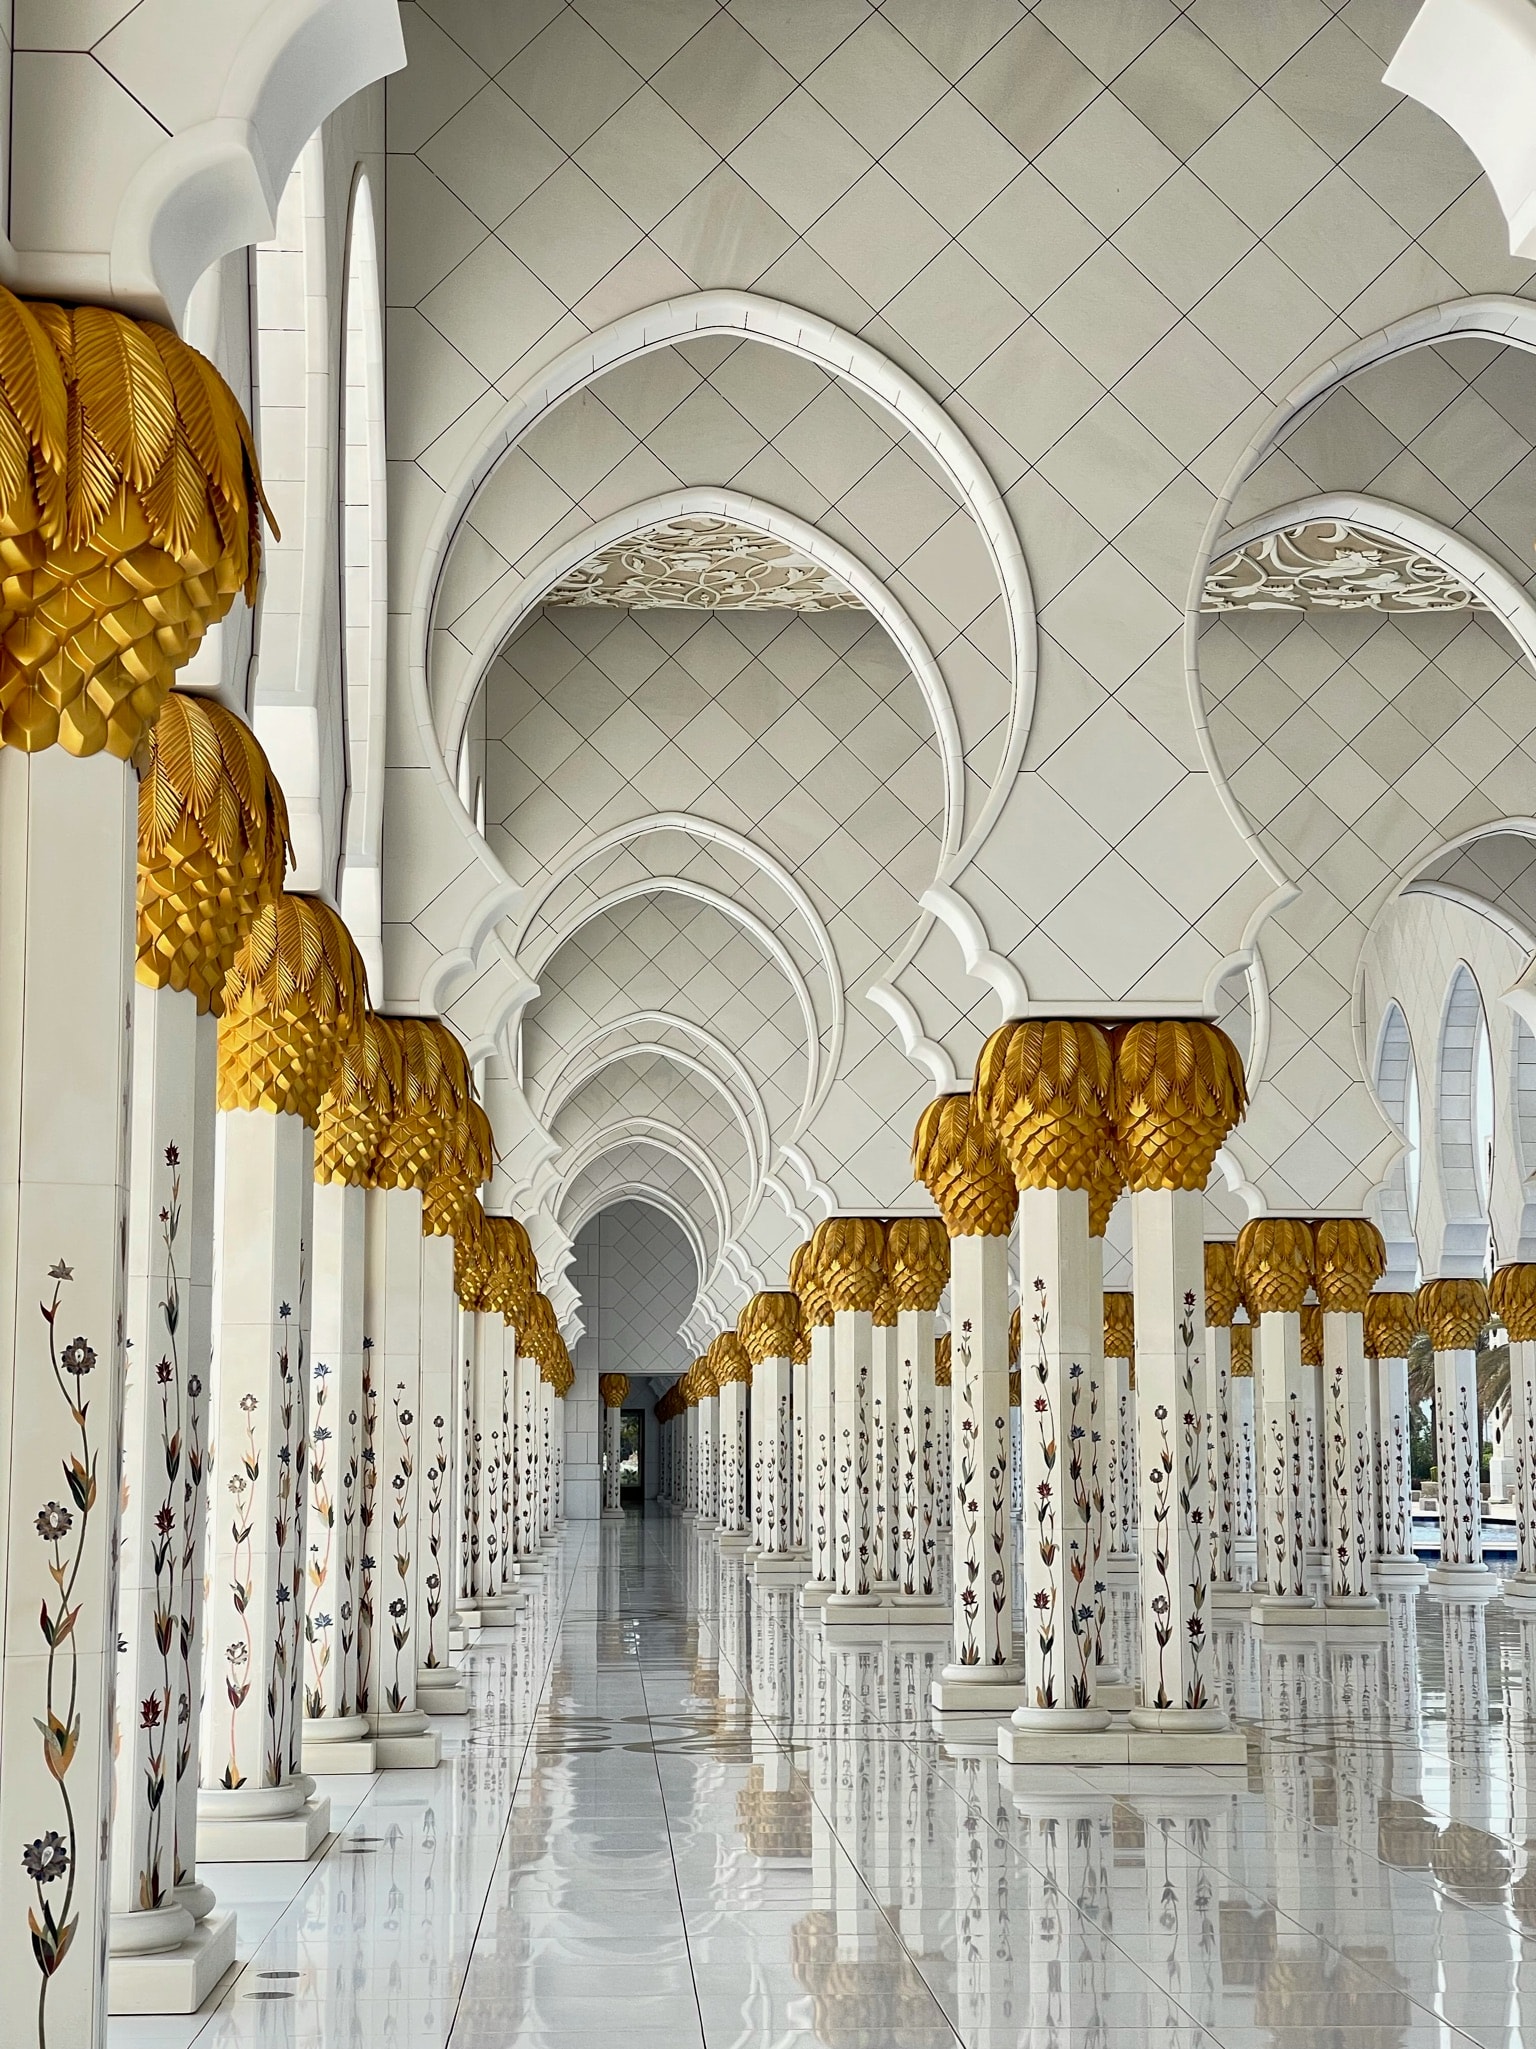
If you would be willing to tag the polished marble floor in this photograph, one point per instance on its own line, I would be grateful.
(676, 1816)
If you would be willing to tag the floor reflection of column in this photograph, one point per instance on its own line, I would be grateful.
(985, 2004)
(1062, 1909)
(1478, 1950)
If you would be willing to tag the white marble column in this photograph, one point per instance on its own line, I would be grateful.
(773, 1465)
(1275, 1260)
(1350, 1259)
(336, 1733)
(733, 1374)
(439, 1690)
(1244, 1449)
(485, 1536)
(1058, 1407)
(1512, 1293)
(691, 1481)
(66, 999)
(392, 1316)
(707, 1512)
(918, 1256)
(851, 1266)
(168, 1949)
(256, 1801)
(612, 1388)
(819, 1457)
(1123, 1512)
(1221, 1301)
(884, 1445)
(1454, 1312)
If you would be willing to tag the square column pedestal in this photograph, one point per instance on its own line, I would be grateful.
(176, 1980)
(262, 1824)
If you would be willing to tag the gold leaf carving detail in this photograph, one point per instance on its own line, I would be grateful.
(1178, 1091)
(1044, 1087)
(293, 995)
(1221, 1290)
(1512, 1294)
(942, 1354)
(612, 1389)
(917, 1258)
(770, 1325)
(1119, 1324)
(1454, 1312)
(1274, 1264)
(1391, 1324)
(1350, 1258)
(850, 1261)
(955, 1155)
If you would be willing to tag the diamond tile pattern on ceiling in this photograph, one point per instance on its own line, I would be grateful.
(1499, 869)
(640, 1165)
(1105, 238)
(650, 1086)
(637, 1280)
(1357, 745)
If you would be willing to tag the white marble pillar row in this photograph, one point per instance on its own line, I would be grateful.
(168, 1949)
(1512, 1294)
(1059, 1408)
(392, 1315)
(256, 1802)
(336, 1732)
(1168, 1257)
(1274, 1263)
(439, 1690)
(1391, 1319)
(66, 998)
(1454, 1312)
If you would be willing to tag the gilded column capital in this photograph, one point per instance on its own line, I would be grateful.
(955, 1155)
(1242, 1351)
(1512, 1296)
(1178, 1091)
(1119, 1324)
(1222, 1293)
(705, 1378)
(941, 1360)
(1391, 1324)
(1311, 1334)
(469, 1156)
(850, 1261)
(1105, 1190)
(612, 1389)
(805, 1279)
(291, 999)
(1015, 1337)
(1454, 1312)
(471, 1256)
(769, 1326)
(1274, 1264)
(917, 1259)
(1044, 1086)
(359, 1103)
(729, 1360)
(1015, 1387)
(513, 1289)
(213, 846)
(1350, 1257)
(437, 1093)
(130, 511)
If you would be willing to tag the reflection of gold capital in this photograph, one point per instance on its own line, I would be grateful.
(1512, 1293)
(1454, 1313)
(1391, 1324)
(1242, 1351)
(128, 522)
(1119, 1325)
(1351, 1257)
(917, 1256)
(1221, 1290)
(612, 1389)
(851, 1261)
(941, 1360)
(955, 1155)
(769, 1326)
(213, 846)
(1274, 1264)
(1044, 1086)
(1179, 1090)
(293, 995)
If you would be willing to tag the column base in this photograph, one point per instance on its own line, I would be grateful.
(1185, 1736)
(922, 1611)
(462, 1620)
(1399, 1572)
(267, 1825)
(1463, 1583)
(1520, 1592)
(1231, 1600)
(174, 1980)
(1061, 1736)
(1122, 1569)
(978, 1690)
(777, 1568)
(440, 1691)
(1286, 1611)
(499, 1610)
(1353, 1614)
(857, 1610)
(734, 1540)
(340, 1744)
(814, 1594)
(612, 1515)
(531, 1564)
(404, 1742)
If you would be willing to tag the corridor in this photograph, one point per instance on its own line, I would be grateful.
(676, 1815)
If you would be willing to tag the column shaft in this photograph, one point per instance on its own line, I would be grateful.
(437, 1490)
(1283, 1537)
(982, 1534)
(885, 1457)
(1349, 1458)
(917, 1555)
(852, 1355)
(819, 1459)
